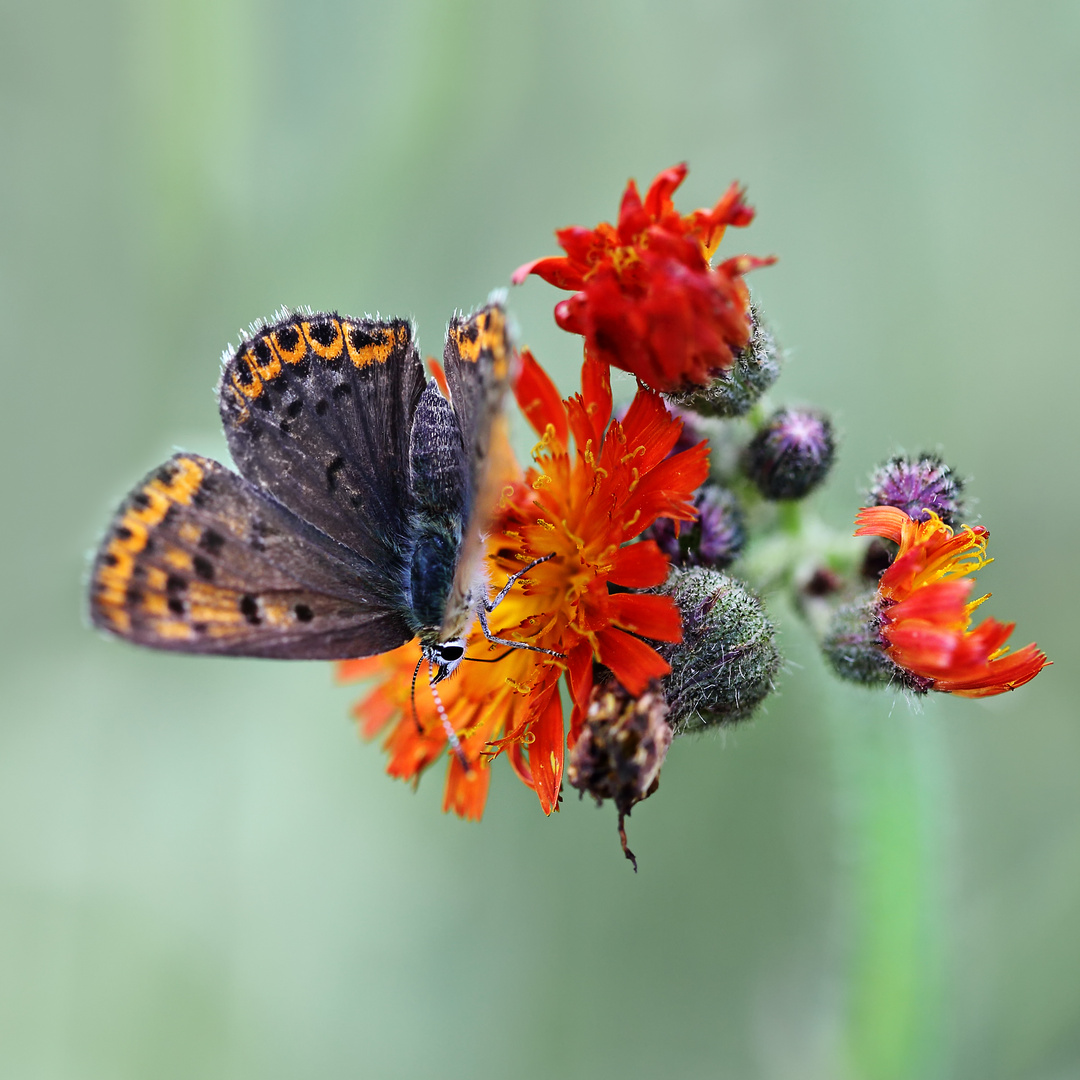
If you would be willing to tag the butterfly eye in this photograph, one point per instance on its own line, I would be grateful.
(451, 653)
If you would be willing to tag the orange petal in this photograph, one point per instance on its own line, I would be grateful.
(886, 521)
(439, 376)
(375, 711)
(466, 792)
(546, 750)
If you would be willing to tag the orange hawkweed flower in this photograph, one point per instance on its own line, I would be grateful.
(926, 614)
(583, 507)
(646, 298)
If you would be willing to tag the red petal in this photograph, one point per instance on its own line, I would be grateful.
(651, 616)
(662, 188)
(579, 678)
(648, 423)
(633, 663)
(632, 216)
(731, 208)
(554, 269)
(570, 315)
(638, 566)
(539, 399)
(942, 602)
(596, 392)
(743, 264)
(1005, 673)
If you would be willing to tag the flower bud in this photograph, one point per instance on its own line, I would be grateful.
(620, 749)
(917, 485)
(791, 454)
(734, 392)
(725, 664)
(715, 539)
(856, 650)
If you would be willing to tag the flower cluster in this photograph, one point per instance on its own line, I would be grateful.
(646, 298)
(650, 534)
(595, 484)
(925, 613)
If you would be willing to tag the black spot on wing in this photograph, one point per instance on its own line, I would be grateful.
(249, 608)
(324, 332)
(332, 471)
(211, 541)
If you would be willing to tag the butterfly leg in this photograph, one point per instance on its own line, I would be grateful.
(487, 606)
(482, 615)
(491, 605)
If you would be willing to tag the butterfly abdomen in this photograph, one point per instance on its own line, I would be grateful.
(434, 559)
(438, 482)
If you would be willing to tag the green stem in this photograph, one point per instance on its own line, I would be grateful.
(894, 1017)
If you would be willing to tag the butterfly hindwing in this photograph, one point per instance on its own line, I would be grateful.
(198, 560)
(317, 412)
(476, 361)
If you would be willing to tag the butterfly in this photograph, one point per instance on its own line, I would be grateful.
(354, 521)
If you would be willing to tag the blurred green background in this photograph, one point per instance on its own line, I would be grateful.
(204, 873)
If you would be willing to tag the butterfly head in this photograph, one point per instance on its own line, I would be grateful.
(444, 658)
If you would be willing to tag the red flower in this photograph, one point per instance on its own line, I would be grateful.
(583, 507)
(926, 615)
(646, 298)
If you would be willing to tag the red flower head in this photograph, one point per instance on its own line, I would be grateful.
(926, 615)
(646, 298)
(583, 507)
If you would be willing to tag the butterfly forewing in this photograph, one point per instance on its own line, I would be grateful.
(317, 412)
(198, 560)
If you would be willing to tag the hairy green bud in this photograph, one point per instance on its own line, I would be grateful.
(726, 663)
(854, 648)
(735, 392)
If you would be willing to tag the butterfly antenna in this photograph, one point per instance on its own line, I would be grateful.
(412, 696)
(451, 734)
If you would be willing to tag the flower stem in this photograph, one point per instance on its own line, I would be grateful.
(894, 1014)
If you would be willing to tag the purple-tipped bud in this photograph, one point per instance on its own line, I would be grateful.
(791, 454)
(916, 486)
(715, 539)
(620, 749)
